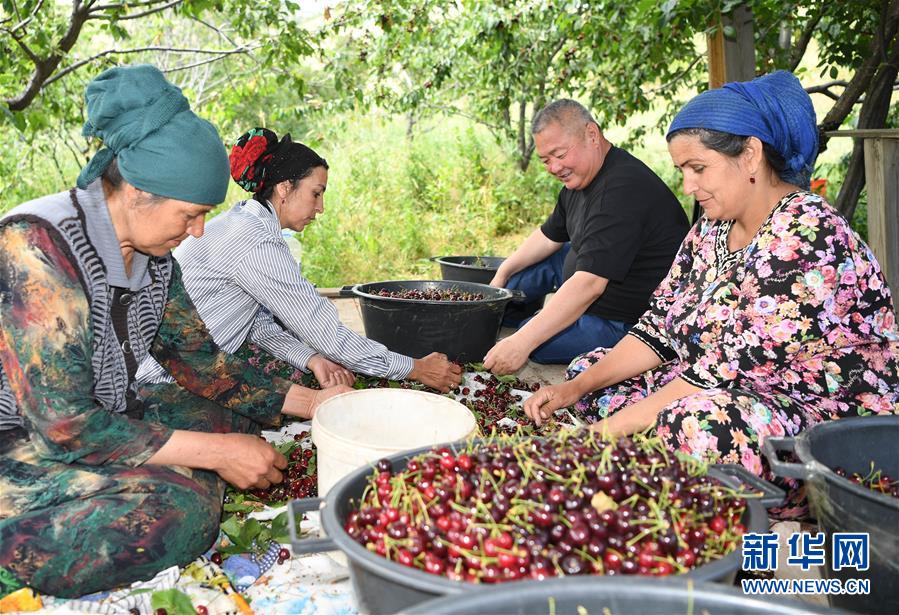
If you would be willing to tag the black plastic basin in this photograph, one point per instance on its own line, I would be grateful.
(842, 506)
(578, 595)
(382, 586)
(478, 269)
(463, 330)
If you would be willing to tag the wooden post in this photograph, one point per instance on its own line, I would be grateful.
(882, 182)
(732, 59)
(717, 69)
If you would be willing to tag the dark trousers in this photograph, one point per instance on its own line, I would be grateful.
(585, 334)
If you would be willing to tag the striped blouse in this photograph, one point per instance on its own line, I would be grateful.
(240, 275)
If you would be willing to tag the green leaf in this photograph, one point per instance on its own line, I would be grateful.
(280, 529)
(250, 530)
(174, 601)
(231, 527)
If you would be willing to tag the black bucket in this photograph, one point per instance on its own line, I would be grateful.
(842, 506)
(577, 595)
(462, 330)
(477, 269)
(383, 586)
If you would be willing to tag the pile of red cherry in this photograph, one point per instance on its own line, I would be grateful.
(876, 480)
(430, 294)
(498, 400)
(567, 504)
(300, 478)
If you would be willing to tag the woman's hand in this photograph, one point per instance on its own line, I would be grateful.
(328, 373)
(627, 421)
(248, 462)
(302, 402)
(243, 460)
(437, 372)
(544, 402)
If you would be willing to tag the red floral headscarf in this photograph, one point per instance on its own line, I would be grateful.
(259, 160)
(248, 158)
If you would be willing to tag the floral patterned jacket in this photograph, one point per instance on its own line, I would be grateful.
(802, 311)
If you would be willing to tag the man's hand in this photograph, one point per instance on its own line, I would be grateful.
(545, 401)
(437, 372)
(507, 356)
(328, 373)
(248, 462)
(499, 280)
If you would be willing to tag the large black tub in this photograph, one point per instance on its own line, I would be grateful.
(478, 269)
(463, 330)
(382, 586)
(842, 506)
(578, 595)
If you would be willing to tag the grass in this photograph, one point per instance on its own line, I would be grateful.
(393, 202)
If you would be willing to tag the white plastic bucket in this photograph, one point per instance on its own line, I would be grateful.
(357, 428)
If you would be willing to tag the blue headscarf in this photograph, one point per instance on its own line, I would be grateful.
(774, 108)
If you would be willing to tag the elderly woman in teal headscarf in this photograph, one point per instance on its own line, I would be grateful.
(101, 482)
(774, 316)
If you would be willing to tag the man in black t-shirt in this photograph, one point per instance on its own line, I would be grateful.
(607, 244)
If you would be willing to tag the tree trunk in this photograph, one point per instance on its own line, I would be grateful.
(882, 47)
(873, 114)
(524, 153)
(410, 125)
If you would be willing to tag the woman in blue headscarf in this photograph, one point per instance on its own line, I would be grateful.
(774, 316)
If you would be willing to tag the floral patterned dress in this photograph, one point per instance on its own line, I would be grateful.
(796, 328)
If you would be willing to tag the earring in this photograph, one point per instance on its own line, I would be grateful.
(751, 179)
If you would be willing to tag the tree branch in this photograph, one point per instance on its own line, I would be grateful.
(824, 88)
(28, 19)
(35, 59)
(678, 77)
(805, 38)
(43, 68)
(215, 29)
(220, 56)
(79, 64)
(453, 110)
(139, 15)
(123, 5)
(861, 79)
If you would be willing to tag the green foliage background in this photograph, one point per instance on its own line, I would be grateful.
(420, 106)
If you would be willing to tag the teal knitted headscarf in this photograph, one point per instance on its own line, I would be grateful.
(161, 146)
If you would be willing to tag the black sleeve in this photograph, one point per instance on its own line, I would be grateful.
(554, 228)
(613, 230)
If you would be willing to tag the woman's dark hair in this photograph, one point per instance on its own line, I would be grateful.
(266, 193)
(733, 145)
(113, 176)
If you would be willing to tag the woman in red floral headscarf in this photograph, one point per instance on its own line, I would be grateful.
(251, 292)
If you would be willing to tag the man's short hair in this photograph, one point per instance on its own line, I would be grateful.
(566, 112)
